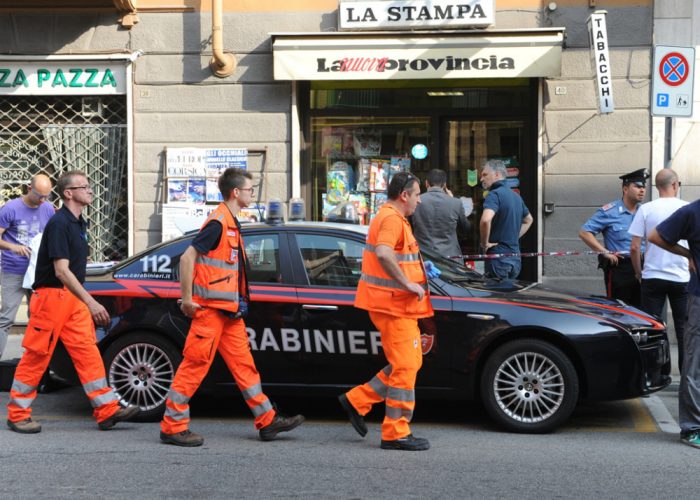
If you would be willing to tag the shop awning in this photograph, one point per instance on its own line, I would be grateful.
(413, 55)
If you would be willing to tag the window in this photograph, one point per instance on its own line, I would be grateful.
(331, 261)
(160, 264)
(263, 253)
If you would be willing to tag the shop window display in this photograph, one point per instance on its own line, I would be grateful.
(357, 158)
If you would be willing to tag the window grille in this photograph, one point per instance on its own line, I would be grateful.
(52, 135)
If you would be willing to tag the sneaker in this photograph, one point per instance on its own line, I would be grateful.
(408, 443)
(356, 419)
(119, 416)
(184, 438)
(691, 439)
(280, 424)
(26, 426)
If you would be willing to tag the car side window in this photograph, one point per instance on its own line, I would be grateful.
(331, 260)
(158, 264)
(263, 255)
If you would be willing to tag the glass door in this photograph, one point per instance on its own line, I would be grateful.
(466, 145)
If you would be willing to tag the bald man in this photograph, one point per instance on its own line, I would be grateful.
(663, 274)
(20, 220)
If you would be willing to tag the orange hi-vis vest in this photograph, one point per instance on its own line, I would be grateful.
(377, 291)
(219, 275)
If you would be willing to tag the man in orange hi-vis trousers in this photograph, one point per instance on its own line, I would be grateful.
(215, 295)
(60, 308)
(394, 289)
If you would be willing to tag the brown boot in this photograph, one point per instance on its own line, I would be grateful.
(119, 416)
(280, 424)
(184, 438)
(26, 426)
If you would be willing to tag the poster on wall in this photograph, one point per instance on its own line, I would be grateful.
(191, 187)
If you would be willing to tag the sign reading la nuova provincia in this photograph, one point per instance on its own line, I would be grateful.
(53, 77)
(416, 14)
(382, 58)
(601, 61)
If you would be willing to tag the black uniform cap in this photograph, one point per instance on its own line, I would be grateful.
(639, 177)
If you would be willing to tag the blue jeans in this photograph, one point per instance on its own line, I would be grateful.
(503, 268)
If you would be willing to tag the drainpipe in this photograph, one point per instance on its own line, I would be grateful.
(222, 63)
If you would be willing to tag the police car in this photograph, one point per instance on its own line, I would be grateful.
(527, 352)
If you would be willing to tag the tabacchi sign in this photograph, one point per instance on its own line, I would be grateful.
(601, 61)
(416, 14)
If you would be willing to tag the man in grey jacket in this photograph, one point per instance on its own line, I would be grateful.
(438, 217)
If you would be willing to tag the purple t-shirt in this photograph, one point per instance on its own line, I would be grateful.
(21, 223)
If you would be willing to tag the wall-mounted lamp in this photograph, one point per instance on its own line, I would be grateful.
(552, 6)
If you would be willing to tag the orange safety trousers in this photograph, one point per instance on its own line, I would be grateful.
(55, 313)
(395, 383)
(210, 331)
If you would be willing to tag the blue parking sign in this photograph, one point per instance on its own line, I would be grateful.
(662, 100)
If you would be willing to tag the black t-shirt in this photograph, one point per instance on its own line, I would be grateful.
(208, 237)
(65, 237)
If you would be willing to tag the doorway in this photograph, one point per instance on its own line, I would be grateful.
(466, 145)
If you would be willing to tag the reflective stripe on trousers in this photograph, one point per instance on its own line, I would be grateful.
(55, 313)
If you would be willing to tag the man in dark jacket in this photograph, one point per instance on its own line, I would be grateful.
(438, 217)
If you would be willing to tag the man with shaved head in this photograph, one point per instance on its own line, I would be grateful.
(20, 220)
(662, 274)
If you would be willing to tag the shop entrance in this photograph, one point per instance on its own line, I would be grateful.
(466, 145)
(359, 137)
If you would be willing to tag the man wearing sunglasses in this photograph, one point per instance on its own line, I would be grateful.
(62, 309)
(393, 287)
(20, 220)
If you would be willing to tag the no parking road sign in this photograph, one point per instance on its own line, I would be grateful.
(672, 88)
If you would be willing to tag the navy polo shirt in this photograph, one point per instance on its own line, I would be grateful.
(510, 211)
(65, 237)
(684, 224)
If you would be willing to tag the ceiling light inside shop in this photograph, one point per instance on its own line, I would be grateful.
(445, 93)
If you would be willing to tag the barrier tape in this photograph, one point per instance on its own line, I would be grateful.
(478, 256)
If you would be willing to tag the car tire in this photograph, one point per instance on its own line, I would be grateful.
(529, 386)
(140, 368)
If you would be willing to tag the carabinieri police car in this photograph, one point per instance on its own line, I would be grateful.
(529, 353)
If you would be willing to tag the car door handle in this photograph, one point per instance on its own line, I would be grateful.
(319, 307)
(484, 317)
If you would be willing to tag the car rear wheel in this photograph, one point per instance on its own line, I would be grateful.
(140, 368)
(529, 386)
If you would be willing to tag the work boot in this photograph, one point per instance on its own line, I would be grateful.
(119, 416)
(184, 438)
(356, 419)
(26, 426)
(280, 424)
(408, 443)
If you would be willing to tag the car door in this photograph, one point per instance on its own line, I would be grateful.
(273, 304)
(341, 345)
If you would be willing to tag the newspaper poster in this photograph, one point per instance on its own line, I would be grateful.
(185, 162)
(218, 160)
(179, 219)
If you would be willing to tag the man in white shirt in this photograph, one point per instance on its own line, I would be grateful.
(664, 274)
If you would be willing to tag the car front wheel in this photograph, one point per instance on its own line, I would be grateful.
(140, 368)
(529, 386)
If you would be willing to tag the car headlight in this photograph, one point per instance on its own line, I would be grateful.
(640, 337)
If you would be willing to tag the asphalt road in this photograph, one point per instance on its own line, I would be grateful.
(608, 450)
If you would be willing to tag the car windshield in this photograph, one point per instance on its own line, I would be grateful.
(452, 270)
